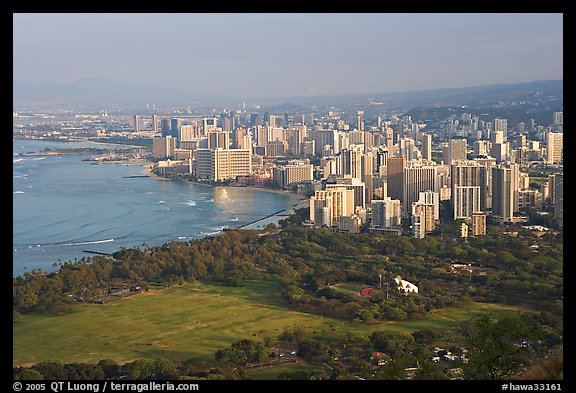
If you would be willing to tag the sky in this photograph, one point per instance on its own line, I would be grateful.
(289, 54)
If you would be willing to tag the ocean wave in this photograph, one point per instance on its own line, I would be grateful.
(189, 202)
(18, 192)
(162, 202)
(15, 160)
(39, 158)
(234, 219)
(89, 242)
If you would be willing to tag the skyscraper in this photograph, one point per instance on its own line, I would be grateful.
(427, 147)
(355, 185)
(407, 148)
(559, 199)
(419, 176)
(342, 203)
(163, 147)
(155, 123)
(223, 164)
(555, 144)
(351, 162)
(558, 118)
(504, 191)
(395, 177)
(189, 133)
(386, 213)
(218, 140)
(456, 150)
(501, 125)
(136, 123)
(166, 127)
(469, 188)
(175, 124)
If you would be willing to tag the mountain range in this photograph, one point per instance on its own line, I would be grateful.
(103, 93)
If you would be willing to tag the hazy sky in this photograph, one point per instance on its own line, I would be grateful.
(289, 54)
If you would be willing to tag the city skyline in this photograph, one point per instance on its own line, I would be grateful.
(289, 54)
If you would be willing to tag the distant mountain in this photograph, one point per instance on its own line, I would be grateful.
(89, 93)
(102, 93)
(515, 102)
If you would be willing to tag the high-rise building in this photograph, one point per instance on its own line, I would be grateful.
(218, 140)
(155, 123)
(395, 177)
(456, 150)
(175, 124)
(350, 161)
(422, 215)
(276, 148)
(466, 201)
(500, 151)
(478, 224)
(407, 148)
(295, 139)
(322, 138)
(163, 147)
(427, 147)
(355, 185)
(308, 119)
(431, 198)
(497, 137)
(223, 164)
(136, 123)
(559, 199)
(297, 172)
(504, 191)
(227, 122)
(501, 125)
(342, 203)
(209, 124)
(480, 148)
(419, 176)
(359, 121)
(237, 135)
(554, 146)
(166, 127)
(386, 213)
(254, 120)
(189, 133)
(368, 174)
(469, 181)
(558, 118)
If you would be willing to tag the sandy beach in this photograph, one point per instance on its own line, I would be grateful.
(303, 199)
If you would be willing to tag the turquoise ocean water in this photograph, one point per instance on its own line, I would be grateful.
(63, 206)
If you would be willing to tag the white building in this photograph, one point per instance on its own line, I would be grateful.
(405, 286)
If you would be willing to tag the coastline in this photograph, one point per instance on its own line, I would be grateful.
(147, 171)
(302, 201)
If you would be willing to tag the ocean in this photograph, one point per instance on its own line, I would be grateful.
(64, 206)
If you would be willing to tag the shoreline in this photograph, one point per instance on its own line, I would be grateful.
(302, 201)
(148, 172)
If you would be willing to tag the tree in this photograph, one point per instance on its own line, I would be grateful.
(311, 349)
(492, 350)
(51, 370)
(26, 374)
(429, 371)
(110, 367)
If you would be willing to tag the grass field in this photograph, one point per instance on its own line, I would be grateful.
(193, 320)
